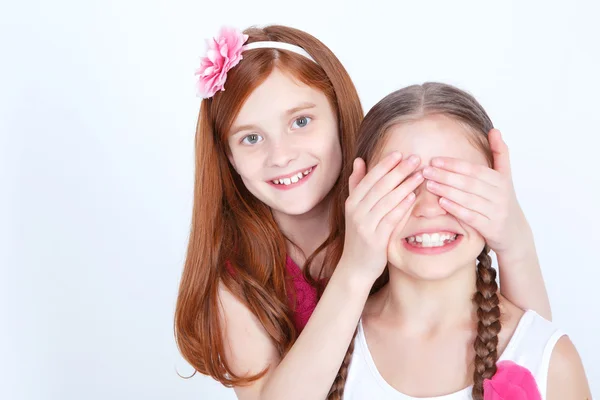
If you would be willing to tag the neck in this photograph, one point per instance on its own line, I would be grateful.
(428, 306)
(306, 232)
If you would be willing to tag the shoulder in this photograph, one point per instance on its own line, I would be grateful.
(242, 330)
(248, 348)
(229, 303)
(566, 376)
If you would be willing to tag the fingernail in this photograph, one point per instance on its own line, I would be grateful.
(413, 159)
(411, 196)
(431, 185)
(437, 162)
(428, 171)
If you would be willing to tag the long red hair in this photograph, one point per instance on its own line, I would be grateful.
(234, 239)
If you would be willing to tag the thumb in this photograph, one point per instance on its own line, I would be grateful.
(358, 172)
(500, 152)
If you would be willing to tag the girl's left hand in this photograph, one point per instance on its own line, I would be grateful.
(482, 197)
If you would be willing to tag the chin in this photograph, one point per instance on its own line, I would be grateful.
(429, 271)
(434, 267)
(294, 210)
(299, 206)
(427, 268)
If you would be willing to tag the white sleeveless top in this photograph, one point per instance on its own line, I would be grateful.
(530, 347)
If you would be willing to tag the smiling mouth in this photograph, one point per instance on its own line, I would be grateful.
(292, 179)
(427, 240)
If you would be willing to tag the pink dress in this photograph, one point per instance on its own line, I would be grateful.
(305, 295)
(302, 298)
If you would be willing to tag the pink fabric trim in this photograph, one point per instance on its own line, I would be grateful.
(511, 382)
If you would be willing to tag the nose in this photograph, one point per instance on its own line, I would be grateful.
(281, 152)
(427, 204)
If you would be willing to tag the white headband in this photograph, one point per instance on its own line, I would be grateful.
(278, 45)
(225, 52)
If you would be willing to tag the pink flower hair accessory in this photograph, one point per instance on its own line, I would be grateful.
(511, 382)
(225, 52)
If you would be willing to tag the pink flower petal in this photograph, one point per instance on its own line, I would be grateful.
(224, 52)
(511, 382)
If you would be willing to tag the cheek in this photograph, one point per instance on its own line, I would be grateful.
(245, 164)
(472, 233)
(333, 149)
(336, 156)
(476, 241)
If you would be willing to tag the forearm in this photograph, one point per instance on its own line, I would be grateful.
(521, 279)
(310, 367)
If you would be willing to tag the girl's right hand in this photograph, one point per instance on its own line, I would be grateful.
(377, 203)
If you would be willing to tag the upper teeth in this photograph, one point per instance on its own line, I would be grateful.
(292, 179)
(431, 240)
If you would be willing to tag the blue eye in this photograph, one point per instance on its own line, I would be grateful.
(252, 139)
(301, 122)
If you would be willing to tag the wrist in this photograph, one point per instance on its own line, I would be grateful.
(348, 277)
(523, 250)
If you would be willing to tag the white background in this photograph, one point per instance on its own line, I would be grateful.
(97, 117)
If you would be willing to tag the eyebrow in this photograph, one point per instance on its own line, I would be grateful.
(300, 107)
(237, 129)
(251, 127)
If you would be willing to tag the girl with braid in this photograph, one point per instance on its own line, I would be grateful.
(435, 325)
(276, 128)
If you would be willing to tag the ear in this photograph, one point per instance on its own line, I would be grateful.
(230, 156)
(231, 160)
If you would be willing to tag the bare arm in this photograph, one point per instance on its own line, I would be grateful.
(309, 368)
(521, 279)
(566, 377)
(377, 204)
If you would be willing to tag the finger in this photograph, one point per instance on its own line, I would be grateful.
(500, 152)
(466, 168)
(374, 175)
(470, 217)
(396, 196)
(462, 182)
(389, 182)
(464, 199)
(392, 219)
(358, 173)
